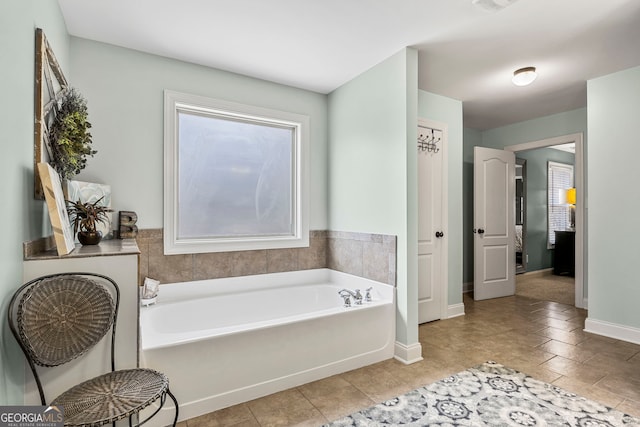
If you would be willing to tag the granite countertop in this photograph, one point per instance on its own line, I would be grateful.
(105, 248)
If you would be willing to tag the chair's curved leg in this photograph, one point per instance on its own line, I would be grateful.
(163, 399)
(175, 402)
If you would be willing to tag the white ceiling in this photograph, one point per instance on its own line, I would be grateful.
(465, 52)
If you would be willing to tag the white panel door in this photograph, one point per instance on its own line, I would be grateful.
(494, 219)
(430, 226)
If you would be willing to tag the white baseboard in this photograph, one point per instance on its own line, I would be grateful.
(408, 354)
(612, 330)
(455, 310)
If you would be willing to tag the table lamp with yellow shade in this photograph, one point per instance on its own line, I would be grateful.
(571, 201)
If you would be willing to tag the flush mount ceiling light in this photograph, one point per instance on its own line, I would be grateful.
(492, 5)
(524, 76)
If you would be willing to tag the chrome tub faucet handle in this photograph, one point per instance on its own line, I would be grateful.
(358, 297)
(367, 297)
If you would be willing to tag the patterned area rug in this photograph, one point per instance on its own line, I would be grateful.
(488, 395)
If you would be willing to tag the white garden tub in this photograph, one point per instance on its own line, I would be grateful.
(227, 341)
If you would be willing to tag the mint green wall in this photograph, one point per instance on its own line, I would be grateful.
(449, 111)
(566, 123)
(125, 88)
(373, 174)
(26, 216)
(574, 121)
(614, 200)
(540, 257)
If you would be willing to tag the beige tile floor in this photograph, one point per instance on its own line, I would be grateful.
(543, 339)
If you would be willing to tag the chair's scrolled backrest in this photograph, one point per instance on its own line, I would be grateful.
(60, 318)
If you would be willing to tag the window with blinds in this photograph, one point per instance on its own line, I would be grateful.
(560, 177)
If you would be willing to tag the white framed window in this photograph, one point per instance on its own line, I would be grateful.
(235, 176)
(560, 179)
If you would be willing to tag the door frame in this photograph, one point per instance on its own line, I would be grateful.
(581, 300)
(444, 261)
(523, 164)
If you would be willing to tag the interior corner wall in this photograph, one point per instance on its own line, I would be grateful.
(614, 200)
(23, 216)
(125, 89)
(372, 120)
(449, 111)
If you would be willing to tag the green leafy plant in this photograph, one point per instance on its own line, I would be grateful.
(70, 138)
(85, 216)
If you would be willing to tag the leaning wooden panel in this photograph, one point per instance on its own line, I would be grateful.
(50, 84)
(57, 209)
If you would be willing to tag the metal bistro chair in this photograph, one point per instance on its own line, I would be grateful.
(58, 318)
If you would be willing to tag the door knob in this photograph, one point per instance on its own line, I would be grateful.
(439, 234)
(480, 230)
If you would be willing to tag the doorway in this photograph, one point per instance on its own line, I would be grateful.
(432, 220)
(580, 299)
(521, 216)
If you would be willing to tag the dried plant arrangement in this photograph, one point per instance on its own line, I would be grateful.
(70, 136)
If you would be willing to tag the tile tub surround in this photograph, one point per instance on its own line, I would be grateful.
(372, 256)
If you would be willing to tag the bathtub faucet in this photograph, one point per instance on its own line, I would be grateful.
(346, 294)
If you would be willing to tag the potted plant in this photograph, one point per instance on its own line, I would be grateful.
(84, 217)
(70, 138)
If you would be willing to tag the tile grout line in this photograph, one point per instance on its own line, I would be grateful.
(326, 419)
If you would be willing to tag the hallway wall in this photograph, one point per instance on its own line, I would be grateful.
(614, 202)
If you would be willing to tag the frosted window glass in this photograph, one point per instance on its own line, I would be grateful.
(236, 177)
